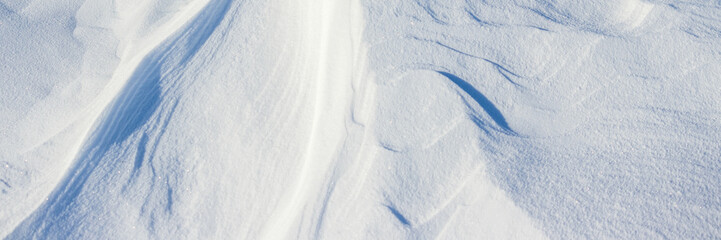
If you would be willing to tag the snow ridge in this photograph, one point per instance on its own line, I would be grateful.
(132, 107)
(359, 119)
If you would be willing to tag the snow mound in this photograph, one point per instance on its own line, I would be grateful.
(355, 119)
(604, 17)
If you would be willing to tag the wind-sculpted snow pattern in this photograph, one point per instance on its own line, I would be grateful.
(360, 119)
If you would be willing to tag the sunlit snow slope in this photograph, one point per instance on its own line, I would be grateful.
(360, 119)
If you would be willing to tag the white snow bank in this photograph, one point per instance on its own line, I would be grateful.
(60, 68)
(227, 119)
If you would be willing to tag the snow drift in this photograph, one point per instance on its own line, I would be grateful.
(353, 119)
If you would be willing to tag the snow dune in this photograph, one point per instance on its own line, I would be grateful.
(354, 119)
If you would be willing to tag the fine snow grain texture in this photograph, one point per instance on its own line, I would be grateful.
(600, 120)
(359, 119)
(61, 66)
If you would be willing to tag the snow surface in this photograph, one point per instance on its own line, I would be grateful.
(360, 119)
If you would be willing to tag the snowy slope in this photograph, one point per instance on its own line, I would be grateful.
(359, 119)
(599, 120)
